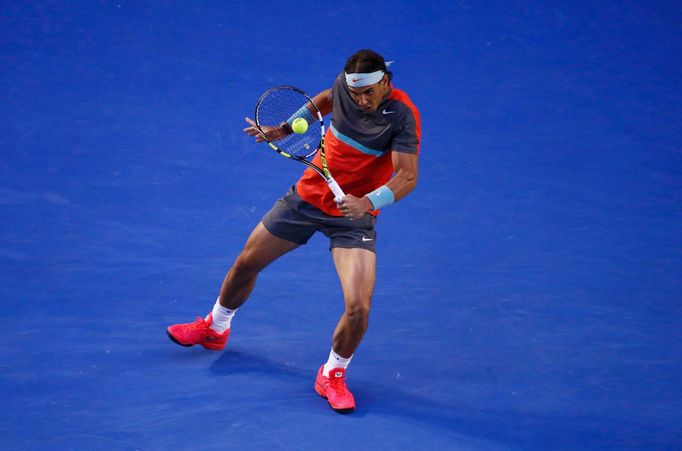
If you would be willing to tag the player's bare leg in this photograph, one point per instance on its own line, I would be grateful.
(261, 249)
(213, 331)
(356, 269)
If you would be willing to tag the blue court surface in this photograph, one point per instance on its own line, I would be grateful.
(529, 290)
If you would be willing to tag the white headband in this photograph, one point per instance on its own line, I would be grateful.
(360, 80)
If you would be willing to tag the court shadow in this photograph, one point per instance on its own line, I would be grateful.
(505, 427)
(514, 428)
(238, 362)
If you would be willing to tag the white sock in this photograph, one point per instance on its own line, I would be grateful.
(335, 361)
(222, 317)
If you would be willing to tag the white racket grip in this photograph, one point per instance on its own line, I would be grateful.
(336, 189)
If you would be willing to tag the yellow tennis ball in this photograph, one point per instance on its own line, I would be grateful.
(299, 125)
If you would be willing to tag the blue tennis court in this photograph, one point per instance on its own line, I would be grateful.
(528, 291)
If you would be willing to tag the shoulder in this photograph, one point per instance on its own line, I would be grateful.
(401, 101)
(340, 81)
(405, 109)
(339, 92)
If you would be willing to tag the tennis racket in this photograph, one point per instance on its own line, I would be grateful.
(276, 110)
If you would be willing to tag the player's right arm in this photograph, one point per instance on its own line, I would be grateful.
(323, 101)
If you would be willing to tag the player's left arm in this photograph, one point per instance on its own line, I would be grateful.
(404, 180)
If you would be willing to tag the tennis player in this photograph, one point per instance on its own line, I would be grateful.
(372, 147)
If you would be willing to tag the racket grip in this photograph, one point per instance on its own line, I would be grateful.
(336, 189)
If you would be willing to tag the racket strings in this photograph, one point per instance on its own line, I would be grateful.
(281, 106)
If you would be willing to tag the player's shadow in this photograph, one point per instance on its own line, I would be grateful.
(236, 362)
(505, 427)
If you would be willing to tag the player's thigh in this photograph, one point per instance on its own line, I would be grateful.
(357, 272)
(262, 248)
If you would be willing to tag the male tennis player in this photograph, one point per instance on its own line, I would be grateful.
(372, 148)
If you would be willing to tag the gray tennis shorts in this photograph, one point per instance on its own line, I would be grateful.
(295, 220)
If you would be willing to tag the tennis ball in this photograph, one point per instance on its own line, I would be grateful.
(299, 125)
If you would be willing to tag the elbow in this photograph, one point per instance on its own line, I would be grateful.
(410, 178)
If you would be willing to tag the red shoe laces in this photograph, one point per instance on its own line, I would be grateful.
(199, 323)
(337, 383)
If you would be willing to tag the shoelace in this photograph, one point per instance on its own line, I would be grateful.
(337, 383)
(199, 323)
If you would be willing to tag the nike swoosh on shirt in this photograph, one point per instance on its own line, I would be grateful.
(388, 112)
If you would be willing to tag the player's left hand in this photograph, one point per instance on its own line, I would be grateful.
(354, 207)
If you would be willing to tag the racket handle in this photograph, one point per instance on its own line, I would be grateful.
(336, 189)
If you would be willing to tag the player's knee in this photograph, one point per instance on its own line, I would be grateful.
(245, 265)
(358, 312)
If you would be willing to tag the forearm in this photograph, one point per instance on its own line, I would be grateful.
(402, 183)
(308, 111)
(399, 186)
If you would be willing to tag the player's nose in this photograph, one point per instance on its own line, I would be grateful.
(364, 102)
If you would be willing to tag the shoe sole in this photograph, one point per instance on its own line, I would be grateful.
(320, 391)
(175, 340)
(209, 346)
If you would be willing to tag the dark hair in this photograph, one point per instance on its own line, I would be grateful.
(365, 61)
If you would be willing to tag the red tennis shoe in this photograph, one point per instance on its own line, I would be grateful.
(198, 333)
(334, 389)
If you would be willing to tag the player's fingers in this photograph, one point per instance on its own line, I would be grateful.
(250, 121)
(255, 133)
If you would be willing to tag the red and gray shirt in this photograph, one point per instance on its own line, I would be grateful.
(358, 146)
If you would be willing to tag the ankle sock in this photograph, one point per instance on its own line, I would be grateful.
(335, 361)
(222, 317)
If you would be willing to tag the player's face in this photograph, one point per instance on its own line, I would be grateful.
(369, 97)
